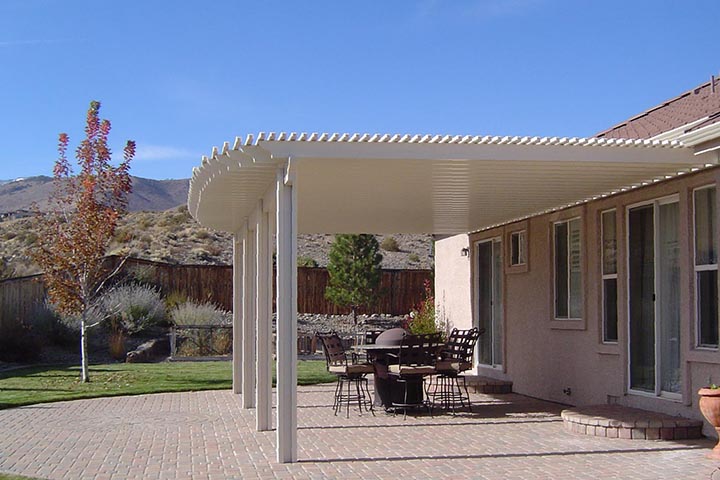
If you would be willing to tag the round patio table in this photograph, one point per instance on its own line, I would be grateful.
(386, 387)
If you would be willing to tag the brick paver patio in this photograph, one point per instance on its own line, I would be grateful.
(205, 435)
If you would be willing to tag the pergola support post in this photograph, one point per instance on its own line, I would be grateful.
(237, 313)
(263, 320)
(286, 318)
(248, 331)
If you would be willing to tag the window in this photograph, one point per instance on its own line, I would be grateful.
(609, 276)
(568, 274)
(706, 267)
(518, 248)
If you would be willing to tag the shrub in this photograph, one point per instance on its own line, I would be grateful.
(213, 250)
(18, 343)
(175, 299)
(53, 327)
(123, 235)
(140, 274)
(145, 222)
(199, 253)
(303, 261)
(29, 237)
(175, 220)
(202, 342)
(191, 313)
(7, 270)
(423, 319)
(135, 306)
(116, 345)
(23, 341)
(202, 234)
(389, 244)
(222, 342)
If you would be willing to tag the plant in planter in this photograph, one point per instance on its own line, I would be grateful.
(710, 408)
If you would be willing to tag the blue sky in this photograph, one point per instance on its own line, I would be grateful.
(181, 76)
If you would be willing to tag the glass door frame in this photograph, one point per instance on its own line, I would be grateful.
(658, 393)
(493, 241)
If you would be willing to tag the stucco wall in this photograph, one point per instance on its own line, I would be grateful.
(453, 282)
(544, 356)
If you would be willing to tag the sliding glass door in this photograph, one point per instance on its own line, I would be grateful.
(490, 308)
(654, 297)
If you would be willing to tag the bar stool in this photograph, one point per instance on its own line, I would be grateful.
(349, 375)
(416, 360)
(445, 390)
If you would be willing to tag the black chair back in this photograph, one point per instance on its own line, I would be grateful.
(333, 347)
(421, 349)
(371, 336)
(461, 344)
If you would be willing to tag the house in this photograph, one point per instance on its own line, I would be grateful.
(610, 300)
(529, 272)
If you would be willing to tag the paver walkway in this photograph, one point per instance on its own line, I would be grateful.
(205, 435)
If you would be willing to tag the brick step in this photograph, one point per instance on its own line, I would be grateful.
(478, 384)
(616, 421)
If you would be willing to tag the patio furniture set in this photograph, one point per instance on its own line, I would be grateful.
(409, 371)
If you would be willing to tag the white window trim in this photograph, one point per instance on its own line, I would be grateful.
(522, 247)
(607, 276)
(567, 221)
(700, 268)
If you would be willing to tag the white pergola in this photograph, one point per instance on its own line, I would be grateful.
(287, 184)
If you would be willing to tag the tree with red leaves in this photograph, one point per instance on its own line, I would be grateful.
(75, 233)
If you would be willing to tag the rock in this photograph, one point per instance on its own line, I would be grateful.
(309, 323)
(148, 351)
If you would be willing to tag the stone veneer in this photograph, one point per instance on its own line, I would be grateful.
(615, 421)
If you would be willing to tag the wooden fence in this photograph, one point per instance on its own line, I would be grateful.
(205, 283)
(400, 291)
(19, 299)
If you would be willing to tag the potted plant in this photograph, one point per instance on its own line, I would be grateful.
(710, 408)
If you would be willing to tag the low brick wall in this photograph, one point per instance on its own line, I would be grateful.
(615, 421)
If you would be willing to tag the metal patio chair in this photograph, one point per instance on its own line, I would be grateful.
(448, 388)
(352, 385)
(416, 357)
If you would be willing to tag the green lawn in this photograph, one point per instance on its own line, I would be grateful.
(7, 476)
(52, 384)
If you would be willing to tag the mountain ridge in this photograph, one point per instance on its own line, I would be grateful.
(158, 227)
(147, 194)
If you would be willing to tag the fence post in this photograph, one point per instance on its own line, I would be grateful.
(173, 344)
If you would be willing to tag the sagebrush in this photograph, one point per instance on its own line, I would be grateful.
(192, 313)
(192, 342)
(134, 306)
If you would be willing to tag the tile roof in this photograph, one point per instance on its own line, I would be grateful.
(700, 103)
